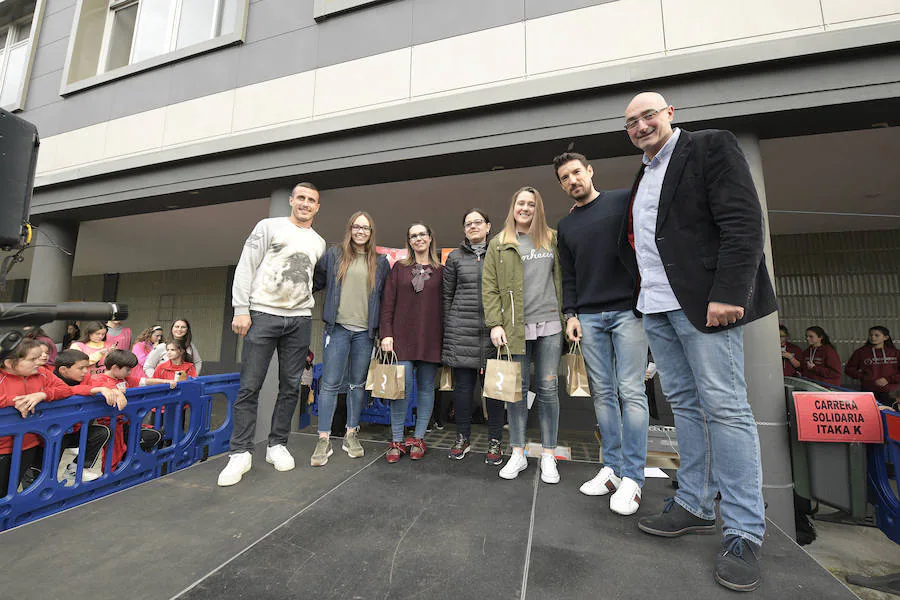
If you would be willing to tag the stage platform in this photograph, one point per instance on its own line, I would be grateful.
(363, 528)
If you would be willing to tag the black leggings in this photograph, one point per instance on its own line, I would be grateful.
(28, 470)
(97, 436)
(463, 390)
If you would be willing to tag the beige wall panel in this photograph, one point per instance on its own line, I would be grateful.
(275, 101)
(837, 11)
(699, 22)
(205, 117)
(368, 81)
(593, 35)
(135, 133)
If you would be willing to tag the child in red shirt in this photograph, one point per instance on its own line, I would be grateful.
(118, 374)
(23, 386)
(790, 354)
(876, 365)
(180, 366)
(820, 360)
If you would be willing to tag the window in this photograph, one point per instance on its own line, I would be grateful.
(15, 50)
(112, 38)
(142, 29)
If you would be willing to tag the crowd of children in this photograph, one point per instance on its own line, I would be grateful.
(96, 363)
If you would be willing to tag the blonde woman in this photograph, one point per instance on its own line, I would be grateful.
(522, 296)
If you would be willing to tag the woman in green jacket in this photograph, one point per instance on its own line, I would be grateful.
(522, 296)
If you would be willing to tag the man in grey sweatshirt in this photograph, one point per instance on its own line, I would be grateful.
(272, 299)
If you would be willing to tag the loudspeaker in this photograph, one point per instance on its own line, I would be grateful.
(18, 158)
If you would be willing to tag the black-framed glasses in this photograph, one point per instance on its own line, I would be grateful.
(647, 116)
(475, 223)
(418, 236)
(364, 228)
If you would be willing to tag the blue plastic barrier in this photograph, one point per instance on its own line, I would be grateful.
(375, 410)
(883, 494)
(187, 438)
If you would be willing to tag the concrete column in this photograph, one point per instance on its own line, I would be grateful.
(279, 206)
(765, 383)
(51, 268)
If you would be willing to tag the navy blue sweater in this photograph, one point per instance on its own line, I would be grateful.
(595, 277)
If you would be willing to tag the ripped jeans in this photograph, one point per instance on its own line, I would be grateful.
(344, 347)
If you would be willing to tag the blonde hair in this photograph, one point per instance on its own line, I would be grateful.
(541, 234)
(348, 251)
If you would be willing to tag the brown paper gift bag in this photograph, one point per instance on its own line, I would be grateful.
(446, 379)
(503, 378)
(576, 373)
(389, 379)
(376, 359)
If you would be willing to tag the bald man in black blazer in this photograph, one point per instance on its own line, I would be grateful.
(696, 227)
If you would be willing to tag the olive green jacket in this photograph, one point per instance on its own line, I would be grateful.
(502, 290)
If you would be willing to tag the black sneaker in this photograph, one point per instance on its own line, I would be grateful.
(494, 453)
(460, 448)
(675, 521)
(737, 565)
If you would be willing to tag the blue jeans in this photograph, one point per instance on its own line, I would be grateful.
(702, 376)
(615, 354)
(425, 375)
(290, 336)
(344, 346)
(545, 352)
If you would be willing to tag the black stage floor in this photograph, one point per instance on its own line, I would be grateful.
(363, 528)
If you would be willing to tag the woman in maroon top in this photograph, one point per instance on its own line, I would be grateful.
(877, 365)
(790, 354)
(411, 326)
(820, 360)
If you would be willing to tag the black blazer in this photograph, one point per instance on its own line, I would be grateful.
(709, 230)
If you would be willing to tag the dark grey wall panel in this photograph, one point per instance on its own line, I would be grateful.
(47, 119)
(43, 90)
(143, 91)
(368, 31)
(203, 75)
(287, 54)
(439, 19)
(82, 110)
(542, 8)
(50, 57)
(54, 6)
(57, 26)
(269, 18)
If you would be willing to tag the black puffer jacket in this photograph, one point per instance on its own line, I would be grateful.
(467, 342)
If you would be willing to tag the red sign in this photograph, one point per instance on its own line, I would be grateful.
(838, 417)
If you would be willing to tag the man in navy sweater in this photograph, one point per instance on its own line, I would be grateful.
(599, 283)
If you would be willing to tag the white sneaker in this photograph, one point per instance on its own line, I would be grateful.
(604, 483)
(72, 470)
(279, 456)
(549, 474)
(238, 464)
(515, 465)
(627, 498)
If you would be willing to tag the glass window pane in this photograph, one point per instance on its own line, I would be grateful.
(196, 23)
(3, 35)
(23, 31)
(15, 71)
(121, 37)
(229, 17)
(154, 29)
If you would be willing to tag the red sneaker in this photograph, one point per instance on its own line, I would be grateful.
(417, 449)
(395, 451)
(408, 442)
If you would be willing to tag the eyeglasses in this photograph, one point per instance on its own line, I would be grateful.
(475, 223)
(364, 228)
(647, 116)
(418, 236)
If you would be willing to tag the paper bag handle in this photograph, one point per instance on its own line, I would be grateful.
(500, 352)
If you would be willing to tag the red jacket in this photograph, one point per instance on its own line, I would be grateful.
(12, 386)
(167, 370)
(868, 364)
(105, 381)
(827, 363)
(786, 366)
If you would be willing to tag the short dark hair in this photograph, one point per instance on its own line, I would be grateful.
(483, 214)
(67, 358)
(304, 184)
(568, 157)
(120, 358)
